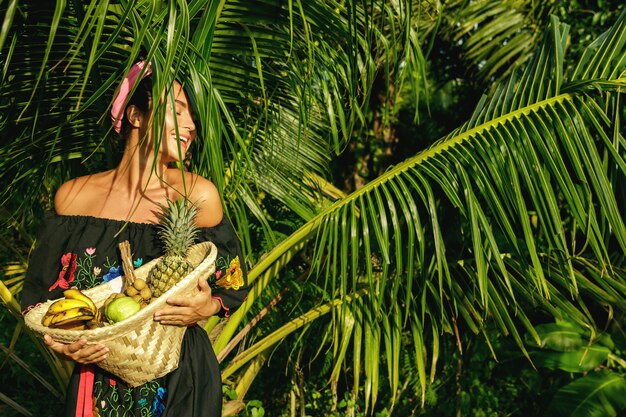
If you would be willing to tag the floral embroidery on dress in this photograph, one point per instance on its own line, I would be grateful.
(149, 393)
(141, 401)
(114, 272)
(158, 404)
(232, 276)
(82, 272)
(87, 274)
(66, 275)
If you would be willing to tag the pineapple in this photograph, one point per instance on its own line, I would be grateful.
(177, 232)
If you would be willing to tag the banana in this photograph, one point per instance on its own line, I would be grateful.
(75, 294)
(45, 320)
(66, 304)
(92, 324)
(71, 312)
(67, 316)
(74, 325)
(97, 316)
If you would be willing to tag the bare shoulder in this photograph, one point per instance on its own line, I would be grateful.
(204, 194)
(68, 194)
(73, 195)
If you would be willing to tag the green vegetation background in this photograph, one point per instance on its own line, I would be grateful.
(469, 385)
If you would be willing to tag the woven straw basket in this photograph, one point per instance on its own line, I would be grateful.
(140, 349)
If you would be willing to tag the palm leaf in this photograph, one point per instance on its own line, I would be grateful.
(564, 336)
(466, 203)
(596, 394)
(497, 36)
(581, 360)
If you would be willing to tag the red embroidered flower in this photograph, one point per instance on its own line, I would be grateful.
(66, 275)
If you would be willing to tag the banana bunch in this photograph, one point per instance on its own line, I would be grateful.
(74, 312)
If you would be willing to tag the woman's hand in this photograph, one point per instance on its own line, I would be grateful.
(77, 351)
(184, 311)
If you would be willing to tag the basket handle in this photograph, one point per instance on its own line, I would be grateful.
(127, 264)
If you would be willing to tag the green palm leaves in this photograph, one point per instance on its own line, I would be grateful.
(517, 209)
(495, 33)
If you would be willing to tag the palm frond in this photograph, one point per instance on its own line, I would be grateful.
(518, 207)
(498, 36)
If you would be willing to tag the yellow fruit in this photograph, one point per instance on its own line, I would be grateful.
(75, 294)
(140, 284)
(66, 304)
(68, 316)
(93, 324)
(130, 291)
(145, 293)
(73, 325)
(177, 231)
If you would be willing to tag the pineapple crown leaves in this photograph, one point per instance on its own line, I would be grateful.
(177, 227)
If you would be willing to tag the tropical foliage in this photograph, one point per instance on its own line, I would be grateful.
(516, 213)
(600, 388)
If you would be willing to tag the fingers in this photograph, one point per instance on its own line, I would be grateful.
(93, 354)
(63, 348)
(78, 351)
(203, 285)
(48, 340)
(178, 316)
(180, 301)
(172, 311)
(172, 315)
(75, 347)
(188, 310)
(173, 322)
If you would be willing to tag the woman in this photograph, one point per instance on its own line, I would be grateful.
(78, 244)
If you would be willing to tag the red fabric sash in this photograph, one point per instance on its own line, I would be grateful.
(84, 404)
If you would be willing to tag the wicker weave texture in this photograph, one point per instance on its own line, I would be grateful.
(140, 349)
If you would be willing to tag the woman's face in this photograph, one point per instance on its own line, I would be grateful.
(178, 115)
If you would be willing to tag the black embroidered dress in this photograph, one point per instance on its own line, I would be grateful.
(82, 252)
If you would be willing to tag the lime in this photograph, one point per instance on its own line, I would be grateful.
(121, 308)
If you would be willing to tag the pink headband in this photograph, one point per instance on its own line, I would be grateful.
(122, 95)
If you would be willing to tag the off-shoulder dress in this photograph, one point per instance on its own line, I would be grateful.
(82, 252)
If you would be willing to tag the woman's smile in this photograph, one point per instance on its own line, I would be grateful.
(185, 142)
